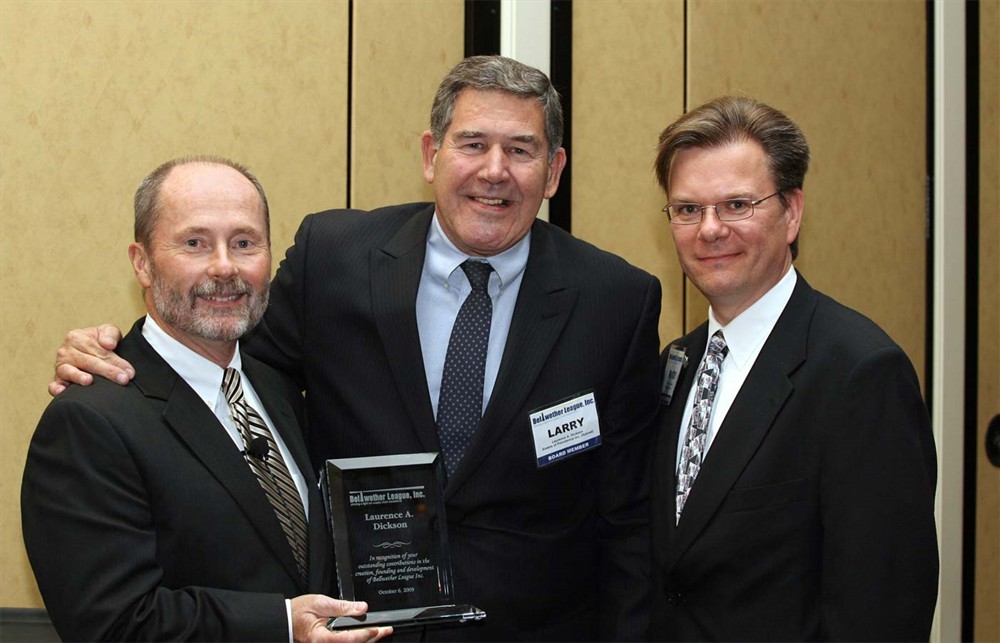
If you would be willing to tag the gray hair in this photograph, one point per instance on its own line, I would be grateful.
(733, 119)
(496, 73)
(147, 195)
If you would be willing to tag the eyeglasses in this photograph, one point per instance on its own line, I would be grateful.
(728, 210)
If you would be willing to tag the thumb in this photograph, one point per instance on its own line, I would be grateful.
(337, 607)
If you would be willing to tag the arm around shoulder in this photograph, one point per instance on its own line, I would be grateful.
(87, 352)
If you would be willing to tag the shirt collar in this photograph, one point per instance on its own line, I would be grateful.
(748, 330)
(201, 374)
(443, 257)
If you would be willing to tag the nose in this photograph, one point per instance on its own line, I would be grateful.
(494, 167)
(222, 265)
(711, 227)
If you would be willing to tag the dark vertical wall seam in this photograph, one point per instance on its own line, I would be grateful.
(685, 327)
(972, 438)
(561, 73)
(929, 211)
(350, 99)
(482, 27)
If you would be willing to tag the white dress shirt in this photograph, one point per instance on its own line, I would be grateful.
(745, 336)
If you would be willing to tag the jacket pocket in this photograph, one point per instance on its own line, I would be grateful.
(766, 496)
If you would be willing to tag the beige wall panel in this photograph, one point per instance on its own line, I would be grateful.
(402, 50)
(628, 83)
(987, 598)
(94, 95)
(852, 75)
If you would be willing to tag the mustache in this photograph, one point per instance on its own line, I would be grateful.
(234, 286)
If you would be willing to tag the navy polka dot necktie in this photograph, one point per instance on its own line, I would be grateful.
(460, 405)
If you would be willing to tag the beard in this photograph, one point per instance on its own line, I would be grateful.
(181, 311)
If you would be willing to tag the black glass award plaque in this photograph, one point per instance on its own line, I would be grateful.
(391, 542)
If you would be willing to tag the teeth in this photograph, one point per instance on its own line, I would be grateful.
(223, 299)
(491, 201)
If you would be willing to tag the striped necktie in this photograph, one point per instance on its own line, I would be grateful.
(265, 461)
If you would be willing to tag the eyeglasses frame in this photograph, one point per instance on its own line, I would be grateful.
(714, 206)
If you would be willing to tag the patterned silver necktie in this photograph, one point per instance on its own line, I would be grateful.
(692, 454)
(270, 468)
(460, 404)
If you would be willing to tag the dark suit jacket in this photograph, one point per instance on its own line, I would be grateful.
(812, 516)
(142, 520)
(554, 553)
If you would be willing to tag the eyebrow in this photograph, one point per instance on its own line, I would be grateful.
(529, 139)
(738, 194)
(203, 230)
(526, 138)
(192, 230)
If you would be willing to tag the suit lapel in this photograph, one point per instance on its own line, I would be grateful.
(750, 417)
(543, 307)
(396, 270)
(694, 343)
(196, 425)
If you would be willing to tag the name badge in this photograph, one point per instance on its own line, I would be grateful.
(676, 361)
(565, 429)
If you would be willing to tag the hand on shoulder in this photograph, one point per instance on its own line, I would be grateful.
(87, 352)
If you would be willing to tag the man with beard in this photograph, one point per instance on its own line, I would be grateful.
(182, 506)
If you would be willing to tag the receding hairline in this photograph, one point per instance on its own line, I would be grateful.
(148, 199)
(172, 173)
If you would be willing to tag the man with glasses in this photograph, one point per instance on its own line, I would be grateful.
(794, 465)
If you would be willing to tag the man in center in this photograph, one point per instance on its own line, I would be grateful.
(362, 313)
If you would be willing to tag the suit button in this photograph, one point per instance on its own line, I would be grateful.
(675, 598)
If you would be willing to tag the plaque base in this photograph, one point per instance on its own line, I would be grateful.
(411, 617)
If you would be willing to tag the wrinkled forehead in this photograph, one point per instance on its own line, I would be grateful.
(209, 196)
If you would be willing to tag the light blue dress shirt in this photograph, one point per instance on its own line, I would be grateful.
(443, 288)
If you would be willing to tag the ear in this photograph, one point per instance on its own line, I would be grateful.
(140, 263)
(555, 171)
(429, 151)
(793, 214)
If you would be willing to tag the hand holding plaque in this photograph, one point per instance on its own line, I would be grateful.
(391, 541)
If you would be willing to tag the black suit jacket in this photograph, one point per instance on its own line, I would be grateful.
(142, 521)
(812, 516)
(557, 553)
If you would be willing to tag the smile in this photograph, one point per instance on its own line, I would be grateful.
(493, 202)
(222, 299)
(718, 257)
